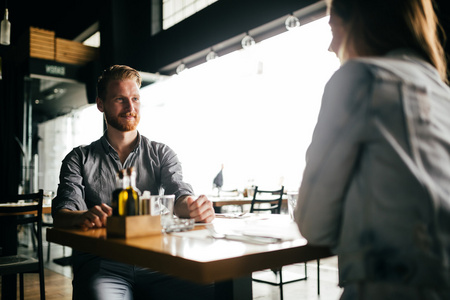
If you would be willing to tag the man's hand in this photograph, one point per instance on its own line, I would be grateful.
(95, 217)
(200, 209)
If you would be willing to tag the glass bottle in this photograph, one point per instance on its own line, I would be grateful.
(130, 196)
(145, 203)
(5, 30)
(115, 195)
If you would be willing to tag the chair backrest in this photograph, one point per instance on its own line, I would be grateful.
(28, 212)
(263, 197)
(31, 208)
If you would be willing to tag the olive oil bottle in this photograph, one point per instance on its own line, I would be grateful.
(129, 197)
(120, 186)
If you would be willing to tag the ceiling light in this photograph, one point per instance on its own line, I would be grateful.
(211, 55)
(247, 41)
(292, 22)
(181, 67)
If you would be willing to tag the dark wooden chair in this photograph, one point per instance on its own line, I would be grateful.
(265, 200)
(271, 201)
(20, 264)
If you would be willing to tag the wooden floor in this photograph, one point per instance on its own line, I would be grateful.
(305, 290)
(57, 286)
(58, 280)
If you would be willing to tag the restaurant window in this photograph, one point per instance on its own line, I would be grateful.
(252, 111)
(174, 11)
(58, 136)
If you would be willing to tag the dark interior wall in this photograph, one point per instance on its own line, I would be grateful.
(67, 19)
(123, 33)
(11, 121)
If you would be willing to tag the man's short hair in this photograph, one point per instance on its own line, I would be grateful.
(116, 72)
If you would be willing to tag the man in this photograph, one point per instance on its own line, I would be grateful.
(87, 181)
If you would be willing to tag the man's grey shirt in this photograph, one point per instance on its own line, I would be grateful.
(88, 173)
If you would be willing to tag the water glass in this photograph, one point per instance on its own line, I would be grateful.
(163, 205)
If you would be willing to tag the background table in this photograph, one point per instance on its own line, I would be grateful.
(5, 209)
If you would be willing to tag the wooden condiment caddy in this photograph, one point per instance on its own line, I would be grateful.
(133, 226)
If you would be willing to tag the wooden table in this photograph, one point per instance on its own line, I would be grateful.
(9, 242)
(5, 209)
(198, 258)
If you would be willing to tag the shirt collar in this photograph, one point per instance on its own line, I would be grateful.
(108, 148)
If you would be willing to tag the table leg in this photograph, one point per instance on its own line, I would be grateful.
(8, 242)
(235, 289)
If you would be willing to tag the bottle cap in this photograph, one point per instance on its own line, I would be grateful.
(146, 195)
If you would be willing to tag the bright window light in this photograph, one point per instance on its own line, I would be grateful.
(253, 111)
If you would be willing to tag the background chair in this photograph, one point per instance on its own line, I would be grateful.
(267, 200)
(271, 201)
(20, 264)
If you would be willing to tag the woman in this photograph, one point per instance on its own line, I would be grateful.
(376, 187)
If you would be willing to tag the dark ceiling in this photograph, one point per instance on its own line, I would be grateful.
(70, 18)
(67, 18)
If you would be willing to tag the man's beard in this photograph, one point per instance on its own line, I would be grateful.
(122, 124)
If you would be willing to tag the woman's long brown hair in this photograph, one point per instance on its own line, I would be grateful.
(377, 27)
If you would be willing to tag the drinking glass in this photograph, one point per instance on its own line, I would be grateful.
(163, 205)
